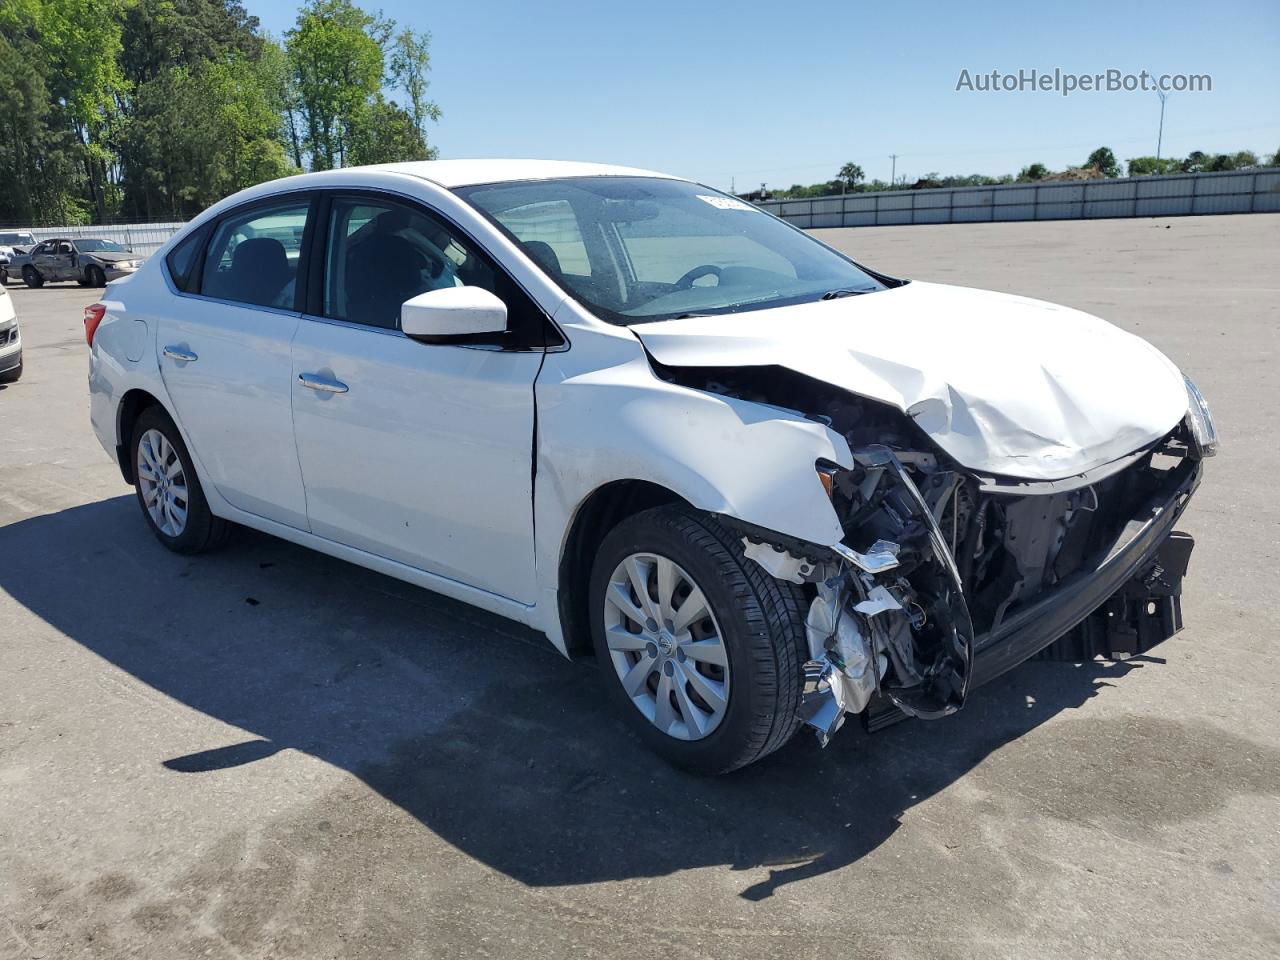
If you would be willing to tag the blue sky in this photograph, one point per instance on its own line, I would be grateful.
(785, 93)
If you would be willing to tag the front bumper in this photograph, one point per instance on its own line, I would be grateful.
(1132, 557)
(10, 357)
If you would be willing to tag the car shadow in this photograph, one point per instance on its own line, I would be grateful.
(471, 724)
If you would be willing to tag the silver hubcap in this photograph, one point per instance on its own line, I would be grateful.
(666, 646)
(163, 484)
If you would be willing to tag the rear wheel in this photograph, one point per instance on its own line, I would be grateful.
(31, 277)
(701, 649)
(168, 489)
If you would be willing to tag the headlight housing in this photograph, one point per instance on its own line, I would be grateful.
(1202, 429)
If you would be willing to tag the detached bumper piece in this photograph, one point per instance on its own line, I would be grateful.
(1146, 612)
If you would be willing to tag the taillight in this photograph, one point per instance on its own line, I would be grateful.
(93, 315)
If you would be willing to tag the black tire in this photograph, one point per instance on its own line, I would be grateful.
(31, 277)
(4, 277)
(12, 376)
(761, 621)
(203, 531)
(94, 277)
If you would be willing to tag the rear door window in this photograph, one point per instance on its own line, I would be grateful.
(254, 255)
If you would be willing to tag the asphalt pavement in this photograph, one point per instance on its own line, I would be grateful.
(264, 752)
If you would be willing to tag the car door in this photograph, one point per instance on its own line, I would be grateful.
(64, 261)
(44, 257)
(224, 352)
(420, 453)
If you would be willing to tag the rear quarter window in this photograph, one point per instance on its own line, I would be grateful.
(183, 258)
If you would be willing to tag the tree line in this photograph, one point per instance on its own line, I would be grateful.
(154, 109)
(1101, 163)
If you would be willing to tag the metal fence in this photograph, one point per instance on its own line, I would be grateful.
(1186, 194)
(1254, 191)
(142, 238)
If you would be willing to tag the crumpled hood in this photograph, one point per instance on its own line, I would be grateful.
(107, 256)
(1004, 384)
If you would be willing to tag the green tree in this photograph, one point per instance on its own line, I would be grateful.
(1152, 166)
(384, 132)
(1034, 171)
(41, 161)
(205, 131)
(159, 34)
(410, 61)
(850, 174)
(80, 42)
(157, 167)
(1105, 161)
(1195, 162)
(338, 69)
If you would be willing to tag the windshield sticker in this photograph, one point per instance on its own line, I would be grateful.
(723, 203)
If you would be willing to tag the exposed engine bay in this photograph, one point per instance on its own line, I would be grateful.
(936, 559)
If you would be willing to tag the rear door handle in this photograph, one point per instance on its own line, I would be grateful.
(177, 353)
(313, 381)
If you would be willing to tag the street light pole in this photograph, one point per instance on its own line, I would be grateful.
(894, 174)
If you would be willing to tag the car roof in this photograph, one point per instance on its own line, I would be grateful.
(462, 173)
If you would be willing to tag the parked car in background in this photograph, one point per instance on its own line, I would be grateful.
(13, 243)
(10, 340)
(90, 261)
(767, 486)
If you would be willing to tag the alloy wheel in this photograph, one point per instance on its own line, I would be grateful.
(666, 646)
(163, 483)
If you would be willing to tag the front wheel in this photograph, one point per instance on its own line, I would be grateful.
(168, 489)
(94, 277)
(700, 647)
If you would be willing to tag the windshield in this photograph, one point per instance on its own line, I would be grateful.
(640, 249)
(17, 239)
(102, 246)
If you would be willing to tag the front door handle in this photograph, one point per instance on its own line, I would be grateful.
(178, 353)
(313, 381)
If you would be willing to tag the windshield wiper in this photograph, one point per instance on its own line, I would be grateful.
(837, 294)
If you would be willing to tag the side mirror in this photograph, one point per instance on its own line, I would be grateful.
(452, 312)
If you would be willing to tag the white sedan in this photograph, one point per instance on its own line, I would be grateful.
(764, 485)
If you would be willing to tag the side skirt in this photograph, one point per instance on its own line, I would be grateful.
(455, 590)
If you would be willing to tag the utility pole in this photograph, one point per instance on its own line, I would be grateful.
(894, 174)
(1160, 136)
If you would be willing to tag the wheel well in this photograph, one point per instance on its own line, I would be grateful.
(131, 406)
(600, 513)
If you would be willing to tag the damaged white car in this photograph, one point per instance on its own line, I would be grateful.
(766, 485)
